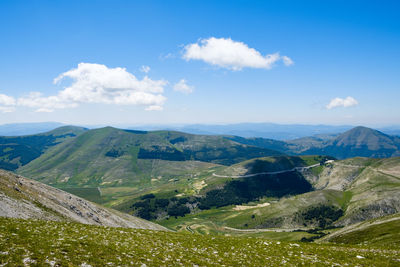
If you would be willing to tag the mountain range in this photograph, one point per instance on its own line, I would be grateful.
(249, 130)
(356, 142)
(218, 183)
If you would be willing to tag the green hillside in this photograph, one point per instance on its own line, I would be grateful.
(383, 231)
(65, 244)
(16, 151)
(335, 194)
(124, 162)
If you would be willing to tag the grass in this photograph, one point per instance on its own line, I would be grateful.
(345, 199)
(72, 244)
(383, 234)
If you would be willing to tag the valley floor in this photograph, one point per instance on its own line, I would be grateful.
(87, 245)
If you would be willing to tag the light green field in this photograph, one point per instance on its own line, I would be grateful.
(384, 231)
(72, 244)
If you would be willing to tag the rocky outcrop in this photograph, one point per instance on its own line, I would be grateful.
(25, 198)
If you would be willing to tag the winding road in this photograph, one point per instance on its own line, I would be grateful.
(270, 173)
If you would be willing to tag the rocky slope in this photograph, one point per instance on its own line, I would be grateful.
(25, 198)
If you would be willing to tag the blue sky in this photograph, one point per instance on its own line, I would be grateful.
(345, 57)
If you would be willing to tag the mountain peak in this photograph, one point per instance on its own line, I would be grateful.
(362, 139)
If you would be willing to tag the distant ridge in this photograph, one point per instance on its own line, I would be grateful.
(16, 151)
(15, 129)
(357, 142)
(360, 142)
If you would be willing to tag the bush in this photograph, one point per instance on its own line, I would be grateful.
(161, 202)
(144, 214)
(323, 215)
(248, 189)
(147, 196)
(178, 210)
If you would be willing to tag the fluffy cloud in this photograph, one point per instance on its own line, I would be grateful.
(95, 83)
(183, 87)
(7, 100)
(230, 54)
(7, 103)
(342, 102)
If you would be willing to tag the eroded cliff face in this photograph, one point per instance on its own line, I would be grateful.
(21, 197)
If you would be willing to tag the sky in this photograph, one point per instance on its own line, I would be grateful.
(214, 62)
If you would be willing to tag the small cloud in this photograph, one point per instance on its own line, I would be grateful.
(44, 110)
(166, 56)
(233, 55)
(287, 61)
(183, 87)
(342, 102)
(145, 69)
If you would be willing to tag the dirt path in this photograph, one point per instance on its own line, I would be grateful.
(261, 230)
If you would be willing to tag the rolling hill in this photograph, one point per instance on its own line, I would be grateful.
(133, 160)
(28, 199)
(16, 151)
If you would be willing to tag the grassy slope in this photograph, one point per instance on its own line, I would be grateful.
(16, 151)
(77, 244)
(363, 188)
(204, 180)
(215, 220)
(112, 158)
(384, 231)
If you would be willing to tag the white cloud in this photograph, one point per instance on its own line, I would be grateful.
(287, 61)
(45, 104)
(145, 69)
(7, 100)
(226, 53)
(96, 83)
(342, 102)
(7, 103)
(183, 87)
